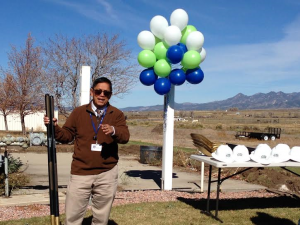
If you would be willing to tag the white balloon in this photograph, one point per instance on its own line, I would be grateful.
(158, 24)
(172, 35)
(179, 18)
(194, 40)
(146, 40)
(202, 54)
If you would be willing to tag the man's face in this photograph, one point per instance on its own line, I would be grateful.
(100, 99)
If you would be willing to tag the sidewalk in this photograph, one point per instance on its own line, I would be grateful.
(132, 176)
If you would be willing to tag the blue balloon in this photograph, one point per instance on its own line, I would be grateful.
(175, 54)
(148, 77)
(177, 77)
(194, 76)
(183, 47)
(162, 86)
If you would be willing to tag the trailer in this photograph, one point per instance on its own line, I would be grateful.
(270, 134)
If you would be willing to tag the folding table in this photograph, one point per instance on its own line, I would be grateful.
(248, 165)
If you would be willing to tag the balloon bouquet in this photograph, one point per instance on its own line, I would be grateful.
(165, 46)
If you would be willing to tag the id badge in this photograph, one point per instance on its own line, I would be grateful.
(96, 147)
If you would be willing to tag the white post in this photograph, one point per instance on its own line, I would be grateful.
(85, 85)
(6, 172)
(167, 159)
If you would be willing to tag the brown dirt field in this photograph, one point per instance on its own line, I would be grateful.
(272, 178)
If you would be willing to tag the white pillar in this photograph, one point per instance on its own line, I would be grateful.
(167, 158)
(85, 85)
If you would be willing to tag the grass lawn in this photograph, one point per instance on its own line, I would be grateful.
(278, 210)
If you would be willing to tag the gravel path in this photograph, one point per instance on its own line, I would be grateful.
(122, 198)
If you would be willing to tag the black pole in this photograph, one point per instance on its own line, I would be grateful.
(55, 180)
(50, 160)
(52, 165)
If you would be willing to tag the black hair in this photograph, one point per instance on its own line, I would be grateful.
(102, 80)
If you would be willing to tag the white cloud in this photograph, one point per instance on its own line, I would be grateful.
(292, 31)
(246, 68)
(277, 60)
(113, 13)
(108, 8)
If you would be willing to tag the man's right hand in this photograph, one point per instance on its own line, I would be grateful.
(47, 121)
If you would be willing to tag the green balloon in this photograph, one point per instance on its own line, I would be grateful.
(162, 68)
(160, 50)
(146, 58)
(185, 32)
(191, 59)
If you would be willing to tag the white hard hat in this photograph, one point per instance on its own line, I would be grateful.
(241, 153)
(295, 153)
(224, 154)
(280, 153)
(261, 154)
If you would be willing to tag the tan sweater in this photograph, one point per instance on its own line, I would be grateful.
(79, 126)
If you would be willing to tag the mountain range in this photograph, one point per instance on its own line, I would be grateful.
(271, 100)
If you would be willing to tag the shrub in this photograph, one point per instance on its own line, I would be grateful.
(180, 159)
(15, 178)
(219, 127)
(14, 164)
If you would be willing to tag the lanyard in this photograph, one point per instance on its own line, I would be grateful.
(94, 127)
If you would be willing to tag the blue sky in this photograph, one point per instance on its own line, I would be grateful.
(252, 45)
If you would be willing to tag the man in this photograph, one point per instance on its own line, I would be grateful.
(97, 128)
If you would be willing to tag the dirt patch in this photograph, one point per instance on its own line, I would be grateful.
(273, 178)
(158, 129)
(129, 150)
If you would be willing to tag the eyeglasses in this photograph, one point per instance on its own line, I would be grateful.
(105, 92)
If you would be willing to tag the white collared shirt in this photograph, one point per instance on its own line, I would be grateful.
(94, 108)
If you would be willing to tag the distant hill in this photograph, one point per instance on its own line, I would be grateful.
(271, 100)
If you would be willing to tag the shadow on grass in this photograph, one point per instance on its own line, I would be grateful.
(88, 221)
(244, 203)
(264, 218)
(155, 175)
(249, 203)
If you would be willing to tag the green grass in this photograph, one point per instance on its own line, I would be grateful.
(140, 143)
(279, 210)
(294, 169)
(188, 150)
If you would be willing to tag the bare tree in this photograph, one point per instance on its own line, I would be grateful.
(182, 114)
(107, 56)
(25, 66)
(6, 97)
(192, 114)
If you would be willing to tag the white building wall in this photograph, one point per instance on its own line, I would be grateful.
(35, 121)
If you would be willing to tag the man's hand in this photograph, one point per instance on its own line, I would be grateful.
(107, 129)
(47, 121)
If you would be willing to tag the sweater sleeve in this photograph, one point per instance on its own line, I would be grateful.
(121, 129)
(67, 133)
